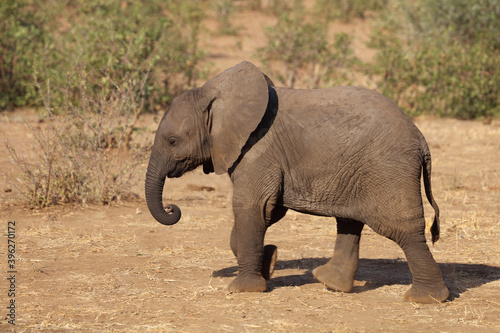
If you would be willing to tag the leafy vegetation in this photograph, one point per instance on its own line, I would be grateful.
(224, 10)
(445, 60)
(22, 38)
(301, 44)
(347, 10)
(126, 38)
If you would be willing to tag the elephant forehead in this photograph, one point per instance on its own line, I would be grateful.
(178, 120)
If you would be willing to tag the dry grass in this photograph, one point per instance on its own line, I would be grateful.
(114, 268)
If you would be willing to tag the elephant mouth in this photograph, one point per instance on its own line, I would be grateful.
(174, 174)
(180, 168)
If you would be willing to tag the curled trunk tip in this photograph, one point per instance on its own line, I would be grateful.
(174, 215)
(155, 181)
(167, 215)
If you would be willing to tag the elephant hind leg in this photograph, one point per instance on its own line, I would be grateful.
(428, 285)
(338, 273)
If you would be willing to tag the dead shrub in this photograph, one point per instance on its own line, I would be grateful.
(83, 153)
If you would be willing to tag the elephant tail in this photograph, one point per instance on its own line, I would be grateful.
(427, 165)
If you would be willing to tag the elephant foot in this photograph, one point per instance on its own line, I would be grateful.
(420, 295)
(269, 261)
(248, 283)
(331, 277)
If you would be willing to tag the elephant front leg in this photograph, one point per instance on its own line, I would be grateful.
(338, 273)
(247, 243)
(269, 258)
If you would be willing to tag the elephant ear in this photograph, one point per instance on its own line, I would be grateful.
(238, 100)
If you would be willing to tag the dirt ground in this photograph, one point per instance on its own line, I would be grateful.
(114, 268)
(99, 268)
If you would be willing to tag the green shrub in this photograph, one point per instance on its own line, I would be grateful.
(22, 38)
(130, 38)
(224, 9)
(254, 4)
(444, 61)
(301, 44)
(126, 38)
(464, 20)
(346, 10)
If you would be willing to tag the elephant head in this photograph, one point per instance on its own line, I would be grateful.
(205, 126)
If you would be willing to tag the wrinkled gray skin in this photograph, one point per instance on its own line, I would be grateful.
(344, 152)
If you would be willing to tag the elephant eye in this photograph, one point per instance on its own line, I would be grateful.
(172, 142)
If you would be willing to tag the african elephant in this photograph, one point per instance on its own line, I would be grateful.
(344, 152)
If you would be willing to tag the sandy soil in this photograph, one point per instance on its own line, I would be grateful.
(114, 268)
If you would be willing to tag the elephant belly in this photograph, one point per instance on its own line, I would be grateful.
(322, 197)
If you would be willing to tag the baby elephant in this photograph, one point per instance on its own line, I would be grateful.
(346, 152)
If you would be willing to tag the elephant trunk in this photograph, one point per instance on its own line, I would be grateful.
(155, 180)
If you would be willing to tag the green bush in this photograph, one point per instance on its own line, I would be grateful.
(126, 38)
(464, 20)
(224, 9)
(130, 38)
(22, 38)
(346, 10)
(301, 44)
(445, 60)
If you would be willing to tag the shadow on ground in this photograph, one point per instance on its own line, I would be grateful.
(381, 272)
